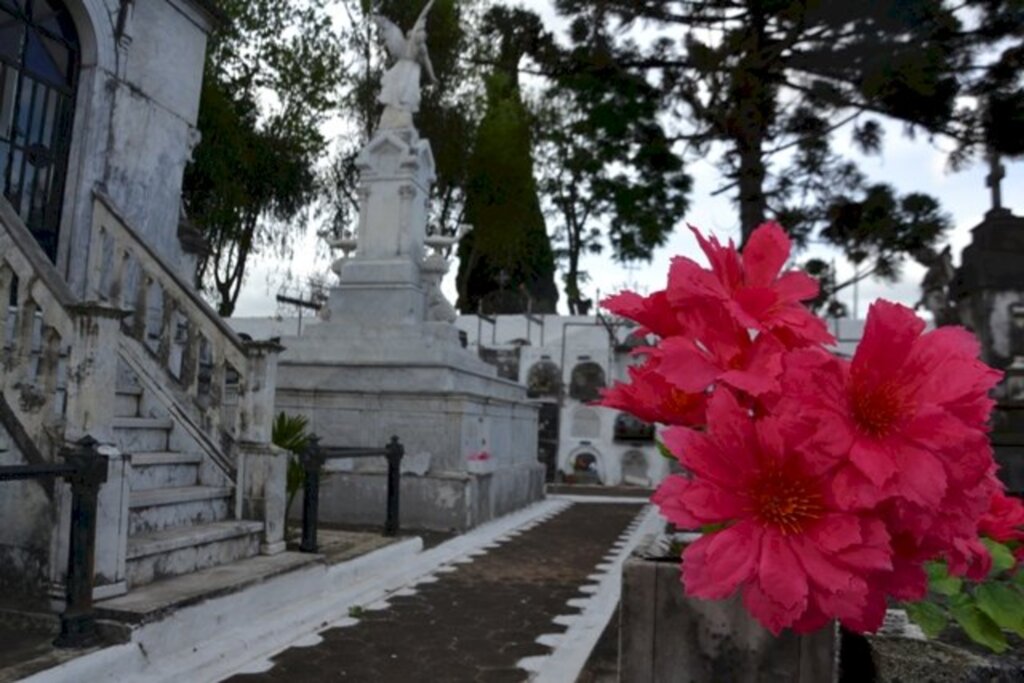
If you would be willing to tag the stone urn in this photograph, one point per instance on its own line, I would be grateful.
(666, 637)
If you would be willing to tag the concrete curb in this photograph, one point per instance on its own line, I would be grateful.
(215, 639)
(574, 646)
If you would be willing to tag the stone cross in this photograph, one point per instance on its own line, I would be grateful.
(994, 180)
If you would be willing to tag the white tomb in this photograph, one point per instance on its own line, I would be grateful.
(388, 362)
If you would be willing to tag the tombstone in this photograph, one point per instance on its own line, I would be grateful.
(632, 429)
(385, 363)
(634, 469)
(988, 290)
(586, 423)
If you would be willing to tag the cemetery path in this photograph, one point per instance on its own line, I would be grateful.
(476, 621)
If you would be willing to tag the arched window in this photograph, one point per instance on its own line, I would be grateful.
(39, 60)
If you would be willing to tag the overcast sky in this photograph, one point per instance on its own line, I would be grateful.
(910, 165)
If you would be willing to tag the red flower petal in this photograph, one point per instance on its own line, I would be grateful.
(765, 254)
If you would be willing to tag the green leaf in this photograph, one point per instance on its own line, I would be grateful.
(665, 452)
(940, 581)
(1002, 557)
(980, 627)
(1003, 603)
(929, 616)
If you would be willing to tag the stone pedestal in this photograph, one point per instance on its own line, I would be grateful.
(666, 636)
(384, 366)
(990, 282)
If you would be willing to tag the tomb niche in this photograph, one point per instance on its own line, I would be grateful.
(588, 379)
(632, 429)
(544, 380)
(585, 469)
(586, 424)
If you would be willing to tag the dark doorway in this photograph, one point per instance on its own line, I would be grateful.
(547, 439)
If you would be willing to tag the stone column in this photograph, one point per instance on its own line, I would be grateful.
(262, 468)
(111, 532)
(92, 372)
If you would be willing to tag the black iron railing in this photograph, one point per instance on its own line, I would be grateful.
(85, 469)
(313, 459)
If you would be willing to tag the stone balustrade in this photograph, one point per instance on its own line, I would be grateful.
(224, 384)
(52, 360)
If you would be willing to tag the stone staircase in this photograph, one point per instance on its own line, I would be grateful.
(141, 360)
(181, 514)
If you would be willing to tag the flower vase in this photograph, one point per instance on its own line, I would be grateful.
(667, 637)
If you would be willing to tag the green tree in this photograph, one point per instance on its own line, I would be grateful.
(768, 83)
(878, 232)
(271, 81)
(992, 121)
(506, 264)
(607, 168)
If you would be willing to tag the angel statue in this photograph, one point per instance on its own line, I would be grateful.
(400, 86)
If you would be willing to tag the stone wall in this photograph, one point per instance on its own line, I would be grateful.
(26, 512)
(135, 117)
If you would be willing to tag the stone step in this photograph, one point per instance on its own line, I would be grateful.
(163, 554)
(126, 403)
(164, 470)
(165, 458)
(167, 508)
(142, 434)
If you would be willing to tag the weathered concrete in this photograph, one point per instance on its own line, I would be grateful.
(135, 118)
(28, 521)
(442, 414)
(989, 282)
(666, 636)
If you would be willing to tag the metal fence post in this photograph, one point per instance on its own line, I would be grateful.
(312, 460)
(78, 622)
(394, 452)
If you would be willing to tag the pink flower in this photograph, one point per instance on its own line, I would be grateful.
(796, 556)
(750, 286)
(719, 350)
(479, 457)
(652, 312)
(649, 397)
(909, 409)
(1004, 521)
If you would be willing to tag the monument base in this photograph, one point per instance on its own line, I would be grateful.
(365, 384)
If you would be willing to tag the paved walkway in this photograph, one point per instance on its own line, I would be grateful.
(474, 623)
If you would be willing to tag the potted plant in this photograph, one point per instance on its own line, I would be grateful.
(821, 487)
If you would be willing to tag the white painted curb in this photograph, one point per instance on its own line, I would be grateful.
(215, 639)
(573, 647)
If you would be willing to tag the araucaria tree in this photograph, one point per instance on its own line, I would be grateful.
(271, 81)
(765, 85)
(607, 169)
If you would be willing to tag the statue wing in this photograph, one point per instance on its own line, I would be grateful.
(422, 19)
(394, 39)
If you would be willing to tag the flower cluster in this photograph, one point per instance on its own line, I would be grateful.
(824, 485)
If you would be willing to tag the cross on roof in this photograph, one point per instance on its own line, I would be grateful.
(994, 180)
